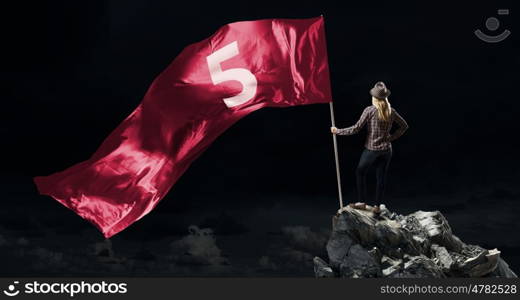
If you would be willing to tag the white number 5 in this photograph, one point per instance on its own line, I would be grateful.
(244, 76)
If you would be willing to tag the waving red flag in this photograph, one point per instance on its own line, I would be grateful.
(243, 67)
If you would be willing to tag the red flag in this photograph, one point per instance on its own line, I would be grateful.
(243, 67)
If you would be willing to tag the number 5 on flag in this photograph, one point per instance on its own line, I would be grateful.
(244, 76)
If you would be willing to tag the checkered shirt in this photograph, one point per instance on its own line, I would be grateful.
(379, 137)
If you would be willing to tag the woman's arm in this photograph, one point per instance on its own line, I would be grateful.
(403, 126)
(356, 127)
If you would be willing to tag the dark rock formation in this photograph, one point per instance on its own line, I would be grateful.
(418, 245)
(321, 269)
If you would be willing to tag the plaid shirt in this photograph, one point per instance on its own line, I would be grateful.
(379, 136)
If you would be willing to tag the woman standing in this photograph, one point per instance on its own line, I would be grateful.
(378, 148)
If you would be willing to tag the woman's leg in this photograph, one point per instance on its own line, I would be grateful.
(381, 175)
(366, 159)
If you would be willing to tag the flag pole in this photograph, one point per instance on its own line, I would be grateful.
(336, 155)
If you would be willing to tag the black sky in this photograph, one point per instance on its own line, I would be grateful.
(73, 70)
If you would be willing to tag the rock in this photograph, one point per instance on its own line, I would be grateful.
(388, 233)
(417, 238)
(395, 252)
(477, 261)
(359, 263)
(337, 247)
(502, 270)
(438, 229)
(420, 267)
(392, 271)
(376, 253)
(390, 267)
(488, 267)
(321, 268)
(359, 225)
(388, 261)
(419, 245)
(442, 258)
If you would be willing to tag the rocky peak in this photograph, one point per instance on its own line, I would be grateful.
(419, 245)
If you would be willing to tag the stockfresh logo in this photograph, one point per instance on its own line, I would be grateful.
(12, 289)
(66, 288)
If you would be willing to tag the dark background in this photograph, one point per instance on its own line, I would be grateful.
(73, 70)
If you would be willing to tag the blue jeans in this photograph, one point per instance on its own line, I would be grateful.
(381, 160)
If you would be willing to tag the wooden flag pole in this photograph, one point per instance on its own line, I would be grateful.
(336, 156)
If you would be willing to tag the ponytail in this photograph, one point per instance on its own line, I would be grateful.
(383, 108)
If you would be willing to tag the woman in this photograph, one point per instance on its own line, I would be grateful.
(378, 148)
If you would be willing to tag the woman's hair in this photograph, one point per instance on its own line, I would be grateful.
(383, 108)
